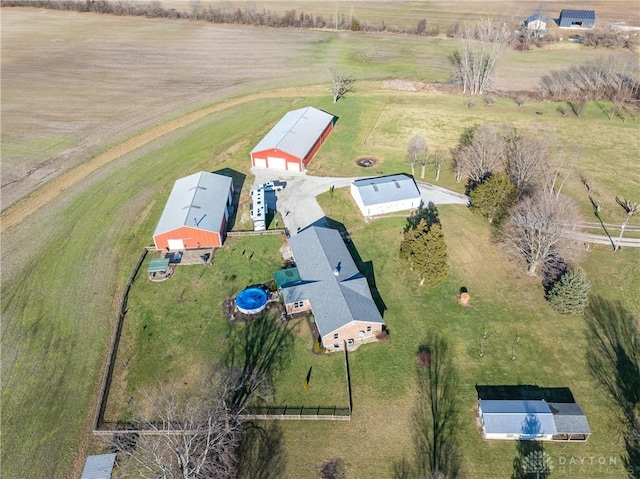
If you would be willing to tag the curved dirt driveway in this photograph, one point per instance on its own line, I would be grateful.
(17, 212)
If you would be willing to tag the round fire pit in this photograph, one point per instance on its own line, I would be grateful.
(366, 162)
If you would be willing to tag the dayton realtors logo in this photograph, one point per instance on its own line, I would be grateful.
(537, 462)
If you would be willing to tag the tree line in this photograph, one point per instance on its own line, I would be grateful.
(226, 13)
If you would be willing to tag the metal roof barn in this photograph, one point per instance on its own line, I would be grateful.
(98, 467)
(196, 213)
(294, 140)
(577, 18)
(385, 194)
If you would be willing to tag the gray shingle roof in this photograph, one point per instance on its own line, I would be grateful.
(517, 417)
(385, 189)
(296, 132)
(197, 200)
(336, 299)
(98, 467)
(569, 418)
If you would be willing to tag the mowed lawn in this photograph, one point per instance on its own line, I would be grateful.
(65, 266)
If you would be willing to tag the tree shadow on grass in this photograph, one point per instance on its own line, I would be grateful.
(531, 461)
(256, 352)
(613, 355)
(261, 452)
(613, 358)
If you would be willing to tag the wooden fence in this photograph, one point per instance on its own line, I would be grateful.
(115, 341)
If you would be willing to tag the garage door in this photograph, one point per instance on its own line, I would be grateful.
(175, 244)
(293, 166)
(260, 162)
(277, 163)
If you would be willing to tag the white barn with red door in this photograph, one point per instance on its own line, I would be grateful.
(196, 213)
(293, 141)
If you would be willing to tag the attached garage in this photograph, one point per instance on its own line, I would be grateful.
(196, 213)
(293, 141)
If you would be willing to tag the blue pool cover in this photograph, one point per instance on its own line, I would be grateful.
(251, 300)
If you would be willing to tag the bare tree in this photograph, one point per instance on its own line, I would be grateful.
(340, 84)
(483, 156)
(417, 150)
(187, 436)
(438, 160)
(482, 45)
(630, 210)
(538, 230)
(558, 174)
(527, 160)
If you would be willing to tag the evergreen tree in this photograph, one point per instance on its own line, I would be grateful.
(424, 248)
(493, 198)
(570, 295)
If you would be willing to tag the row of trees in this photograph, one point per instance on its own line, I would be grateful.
(225, 12)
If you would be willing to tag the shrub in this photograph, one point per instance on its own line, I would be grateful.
(493, 198)
(570, 295)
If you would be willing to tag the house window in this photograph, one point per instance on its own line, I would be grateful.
(350, 342)
(336, 346)
(298, 304)
(368, 329)
(336, 336)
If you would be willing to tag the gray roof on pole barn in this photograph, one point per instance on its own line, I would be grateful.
(569, 418)
(330, 280)
(517, 417)
(198, 201)
(98, 467)
(296, 132)
(386, 189)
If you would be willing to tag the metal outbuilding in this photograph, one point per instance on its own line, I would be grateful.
(577, 19)
(98, 467)
(196, 213)
(385, 194)
(516, 420)
(294, 140)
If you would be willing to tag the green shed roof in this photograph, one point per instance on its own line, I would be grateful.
(158, 265)
(286, 276)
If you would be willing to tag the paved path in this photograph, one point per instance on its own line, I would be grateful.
(298, 205)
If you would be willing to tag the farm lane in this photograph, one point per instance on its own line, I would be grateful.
(20, 210)
(298, 205)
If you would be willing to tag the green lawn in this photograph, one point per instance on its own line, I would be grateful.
(58, 303)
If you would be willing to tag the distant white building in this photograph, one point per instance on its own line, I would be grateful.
(385, 194)
(536, 23)
(259, 210)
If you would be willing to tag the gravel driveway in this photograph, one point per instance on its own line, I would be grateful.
(297, 202)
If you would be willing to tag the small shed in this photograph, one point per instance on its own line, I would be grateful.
(294, 140)
(385, 194)
(98, 467)
(577, 19)
(535, 22)
(196, 213)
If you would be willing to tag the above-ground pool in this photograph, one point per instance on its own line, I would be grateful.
(251, 300)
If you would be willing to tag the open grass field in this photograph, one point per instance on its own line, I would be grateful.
(74, 83)
(64, 265)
